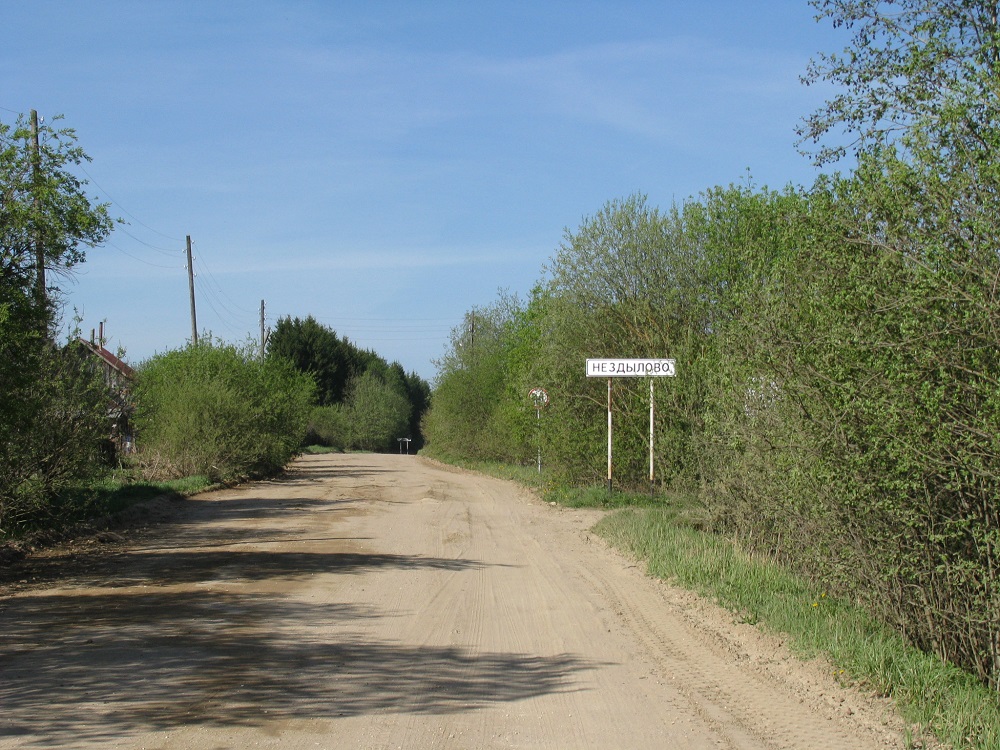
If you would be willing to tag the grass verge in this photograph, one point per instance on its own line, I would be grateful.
(316, 450)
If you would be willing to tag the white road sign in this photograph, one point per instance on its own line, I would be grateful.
(630, 368)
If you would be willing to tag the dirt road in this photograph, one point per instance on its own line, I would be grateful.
(387, 602)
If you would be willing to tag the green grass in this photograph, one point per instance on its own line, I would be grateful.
(952, 704)
(313, 450)
(118, 492)
(571, 497)
(680, 507)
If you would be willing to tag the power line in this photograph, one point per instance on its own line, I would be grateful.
(162, 250)
(138, 221)
(230, 319)
(232, 326)
(210, 294)
(425, 320)
(137, 258)
(201, 262)
(165, 251)
(408, 338)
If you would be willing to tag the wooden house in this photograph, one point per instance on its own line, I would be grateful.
(118, 377)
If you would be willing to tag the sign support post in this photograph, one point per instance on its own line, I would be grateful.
(609, 434)
(625, 368)
(540, 398)
(652, 412)
(538, 429)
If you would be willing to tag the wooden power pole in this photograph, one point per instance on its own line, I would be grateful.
(194, 317)
(263, 335)
(36, 158)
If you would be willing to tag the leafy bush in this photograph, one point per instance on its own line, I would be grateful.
(836, 400)
(480, 407)
(213, 409)
(52, 425)
(876, 467)
(328, 426)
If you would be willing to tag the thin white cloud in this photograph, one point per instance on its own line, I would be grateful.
(651, 89)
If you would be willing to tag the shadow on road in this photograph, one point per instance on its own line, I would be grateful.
(155, 638)
(96, 668)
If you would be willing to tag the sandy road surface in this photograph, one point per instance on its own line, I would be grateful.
(387, 602)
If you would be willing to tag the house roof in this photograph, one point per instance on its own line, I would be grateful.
(110, 359)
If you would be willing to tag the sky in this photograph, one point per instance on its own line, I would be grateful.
(386, 167)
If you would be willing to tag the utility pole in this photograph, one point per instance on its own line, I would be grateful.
(263, 336)
(36, 158)
(194, 318)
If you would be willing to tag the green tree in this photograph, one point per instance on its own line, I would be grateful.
(629, 282)
(927, 67)
(378, 413)
(418, 393)
(43, 206)
(315, 349)
(479, 405)
(329, 426)
(336, 364)
(50, 423)
(51, 435)
(885, 355)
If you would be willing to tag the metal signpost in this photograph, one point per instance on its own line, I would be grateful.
(540, 397)
(632, 368)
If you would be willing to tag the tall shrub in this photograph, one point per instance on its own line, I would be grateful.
(51, 428)
(212, 409)
(479, 406)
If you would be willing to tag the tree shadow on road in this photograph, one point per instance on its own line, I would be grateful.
(85, 668)
(175, 632)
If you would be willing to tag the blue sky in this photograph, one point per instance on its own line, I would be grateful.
(387, 166)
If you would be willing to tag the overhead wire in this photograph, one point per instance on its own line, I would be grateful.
(231, 325)
(392, 325)
(222, 304)
(226, 315)
(161, 250)
(157, 248)
(115, 202)
(233, 320)
(137, 258)
(201, 263)
(213, 292)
